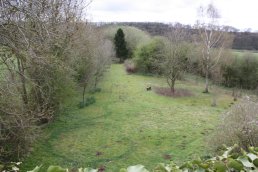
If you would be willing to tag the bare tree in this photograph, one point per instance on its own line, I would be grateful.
(36, 43)
(213, 39)
(93, 54)
(103, 56)
(176, 57)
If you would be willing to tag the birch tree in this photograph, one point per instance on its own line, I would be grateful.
(212, 39)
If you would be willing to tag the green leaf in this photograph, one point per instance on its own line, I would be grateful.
(255, 162)
(160, 168)
(90, 170)
(228, 151)
(204, 165)
(235, 164)
(122, 170)
(199, 170)
(173, 167)
(1, 167)
(55, 169)
(186, 165)
(252, 156)
(256, 149)
(137, 168)
(251, 149)
(36, 169)
(197, 162)
(245, 161)
(14, 168)
(220, 166)
(234, 155)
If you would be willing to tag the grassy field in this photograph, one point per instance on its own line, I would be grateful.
(240, 53)
(129, 125)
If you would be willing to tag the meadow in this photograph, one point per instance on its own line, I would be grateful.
(129, 125)
(240, 53)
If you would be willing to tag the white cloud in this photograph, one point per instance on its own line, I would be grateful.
(241, 14)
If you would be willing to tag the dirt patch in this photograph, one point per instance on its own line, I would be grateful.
(177, 93)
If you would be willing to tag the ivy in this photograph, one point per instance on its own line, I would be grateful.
(233, 159)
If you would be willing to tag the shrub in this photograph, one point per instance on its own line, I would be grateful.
(242, 73)
(130, 66)
(239, 125)
(148, 56)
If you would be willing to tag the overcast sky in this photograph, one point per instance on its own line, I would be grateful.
(242, 14)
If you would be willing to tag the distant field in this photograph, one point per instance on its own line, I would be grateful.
(129, 125)
(240, 53)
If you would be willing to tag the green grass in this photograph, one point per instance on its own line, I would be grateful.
(240, 53)
(130, 125)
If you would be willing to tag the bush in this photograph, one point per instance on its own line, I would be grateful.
(242, 73)
(130, 66)
(239, 125)
(147, 57)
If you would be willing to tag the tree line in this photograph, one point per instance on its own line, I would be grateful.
(242, 40)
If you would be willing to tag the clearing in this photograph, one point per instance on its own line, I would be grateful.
(129, 125)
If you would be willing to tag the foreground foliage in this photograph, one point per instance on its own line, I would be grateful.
(232, 160)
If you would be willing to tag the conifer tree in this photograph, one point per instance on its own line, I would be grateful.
(120, 45)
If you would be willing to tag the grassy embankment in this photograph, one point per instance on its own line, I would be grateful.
(129, 125)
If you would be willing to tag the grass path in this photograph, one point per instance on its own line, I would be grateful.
(129, 125)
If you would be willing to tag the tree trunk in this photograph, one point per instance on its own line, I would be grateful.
(96, 82)
(23, 81)
(206, 85)
(206, 81)
(172, 87)
(83, 94)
